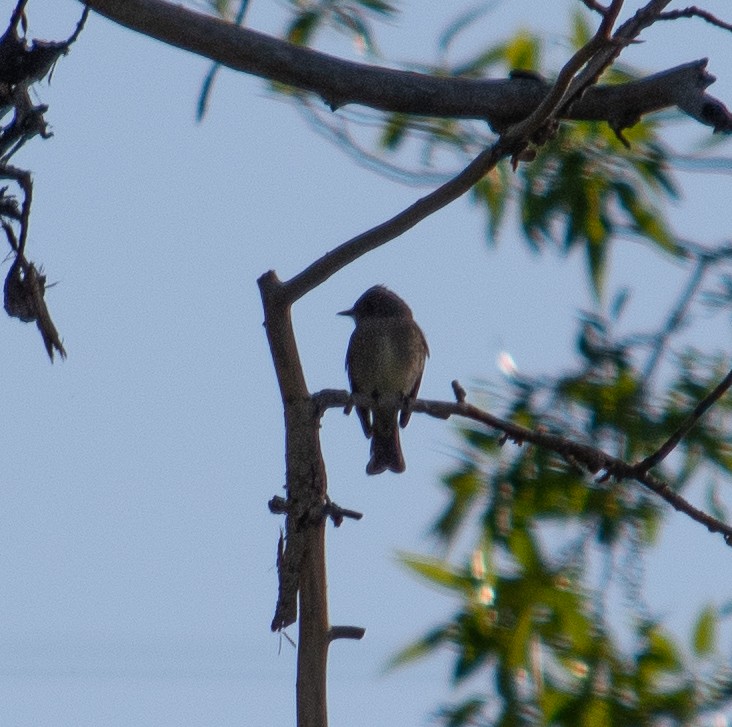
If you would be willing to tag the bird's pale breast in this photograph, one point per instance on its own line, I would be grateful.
(396, 355)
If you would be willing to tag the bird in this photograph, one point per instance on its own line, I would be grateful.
(385, 361)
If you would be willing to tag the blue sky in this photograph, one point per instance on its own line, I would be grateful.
(136, 550)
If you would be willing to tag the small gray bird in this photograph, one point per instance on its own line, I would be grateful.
(385, 360)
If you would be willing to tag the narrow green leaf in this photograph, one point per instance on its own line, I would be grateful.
(303, 27)
(704, 638)
(378, 6)
(581, 32)
(394, 131)
(463, 21)
(420, 648)
(436, 571)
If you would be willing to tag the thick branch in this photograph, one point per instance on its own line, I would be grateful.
(301, 558)
(339, 82)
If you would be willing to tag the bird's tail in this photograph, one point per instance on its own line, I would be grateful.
(386, 450)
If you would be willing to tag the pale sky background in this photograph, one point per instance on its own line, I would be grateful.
(136, 549)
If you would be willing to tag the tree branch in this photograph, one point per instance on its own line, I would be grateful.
(699, 410)
(339, 82)
(695, 12)
(346, 632)
(676, 317)
(301, 557)
(352, 249)
(593, 459)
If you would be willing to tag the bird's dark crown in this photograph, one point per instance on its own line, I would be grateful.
(379, 302)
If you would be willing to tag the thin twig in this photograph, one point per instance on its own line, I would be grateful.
(17, 15)
(24, 181)
(699, 410)
(695, 12)
(593, 5)
(570, 82)
(79, 26)
(332, 262)
(676, 317)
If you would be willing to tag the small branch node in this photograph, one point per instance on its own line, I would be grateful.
(278, 505)
(336, 513)
(459, 392)
(346, 632)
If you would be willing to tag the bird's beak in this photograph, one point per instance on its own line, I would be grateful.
(346, 312)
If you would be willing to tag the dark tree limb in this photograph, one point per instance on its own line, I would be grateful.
(301, 556)
(339, 82)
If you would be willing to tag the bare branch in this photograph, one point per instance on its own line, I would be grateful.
(699, 410)
(339, 82)
(346, 632)
(695, 12)
(676, 317)
(351, 250)
(337, 513)
(594, 5)
(584, 456)
(17, 15)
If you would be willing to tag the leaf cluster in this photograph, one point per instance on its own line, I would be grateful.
(549, 543)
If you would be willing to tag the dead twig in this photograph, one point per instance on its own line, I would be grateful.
(695, 12)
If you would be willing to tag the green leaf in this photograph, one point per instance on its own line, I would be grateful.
(581, 31)
(378, 6)
(438, 572)
(619, 302)
(420, 648)
(647, 222)
(523, 548)
(352, 23)
(464, 487)
(302, 28)
(394, 131)
(659, 658)
(459, 24)
(522, 52)
(493, 191)
(704, 638)
(465, 713)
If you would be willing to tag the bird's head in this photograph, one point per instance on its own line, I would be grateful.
(378, 302)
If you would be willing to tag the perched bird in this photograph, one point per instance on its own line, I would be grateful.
(385, 361)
